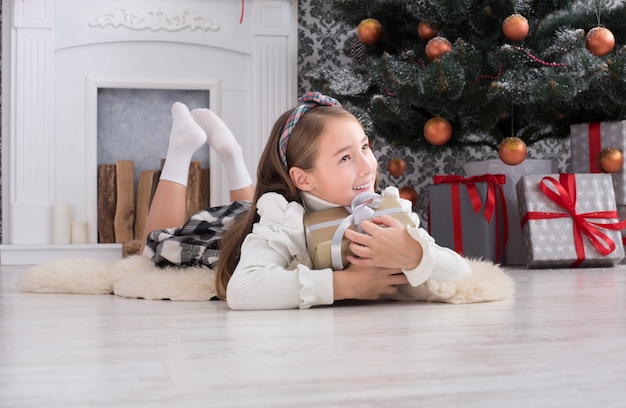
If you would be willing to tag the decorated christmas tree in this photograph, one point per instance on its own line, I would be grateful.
(476, 72)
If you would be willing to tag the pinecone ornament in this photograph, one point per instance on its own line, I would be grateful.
(357, 51)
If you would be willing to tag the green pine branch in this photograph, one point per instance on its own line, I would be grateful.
(487, 86)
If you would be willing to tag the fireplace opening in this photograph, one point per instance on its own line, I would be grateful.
(133, 129)
(134, 124)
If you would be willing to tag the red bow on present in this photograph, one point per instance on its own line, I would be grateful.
(494, 185)
(565, 197)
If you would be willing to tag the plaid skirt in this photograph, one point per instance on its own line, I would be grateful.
(197, 242)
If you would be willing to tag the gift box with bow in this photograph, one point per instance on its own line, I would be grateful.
(469, 215)
(325, 229)
(513, 254)
(621, 214)
(588, 140)
(569, 220)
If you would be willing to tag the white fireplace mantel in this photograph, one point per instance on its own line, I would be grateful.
(56, 53)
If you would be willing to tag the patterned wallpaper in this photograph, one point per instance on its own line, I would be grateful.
(321, 40)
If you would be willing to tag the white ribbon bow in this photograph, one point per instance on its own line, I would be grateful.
(362, 209)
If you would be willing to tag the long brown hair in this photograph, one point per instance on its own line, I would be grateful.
(272, 176)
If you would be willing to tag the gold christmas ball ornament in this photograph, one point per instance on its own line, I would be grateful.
(436, 47)
(369, 31)
(515, 27)
(409, 193)
(396, 167)
(610, 160)
(437, 130)
(600, 41)
(425, 31)
(512, 151)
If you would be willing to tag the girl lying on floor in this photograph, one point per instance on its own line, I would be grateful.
(253, 252)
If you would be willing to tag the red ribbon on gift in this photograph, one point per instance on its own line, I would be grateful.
(494, 185)
(565, 197)
(595, 146)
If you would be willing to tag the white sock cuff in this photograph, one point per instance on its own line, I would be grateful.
(238, 178)
(237, 175)
(174, 174)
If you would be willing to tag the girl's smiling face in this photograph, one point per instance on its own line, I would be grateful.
(345, 165)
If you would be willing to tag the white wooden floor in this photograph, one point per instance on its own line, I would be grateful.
(560, 343)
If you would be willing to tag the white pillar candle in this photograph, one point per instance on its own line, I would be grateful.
(79, 232)
(61, 221)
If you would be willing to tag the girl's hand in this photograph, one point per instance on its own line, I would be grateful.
(384, 244)
(366, 283)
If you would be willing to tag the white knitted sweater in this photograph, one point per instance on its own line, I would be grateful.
(274, 271)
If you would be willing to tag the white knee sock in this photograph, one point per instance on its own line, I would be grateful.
(220, 138)
(185, 138)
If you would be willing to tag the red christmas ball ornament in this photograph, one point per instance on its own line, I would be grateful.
(600, 41)
(610, 160)
(436, 47)
(512, 151)
(396, 167)
(369, 31)
(426, 31)
(409, 193)
(515, 27)
(437, 130)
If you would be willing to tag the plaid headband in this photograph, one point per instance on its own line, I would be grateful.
(309, 101)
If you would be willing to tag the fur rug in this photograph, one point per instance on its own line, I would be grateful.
(138, 277)
(133, 277)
